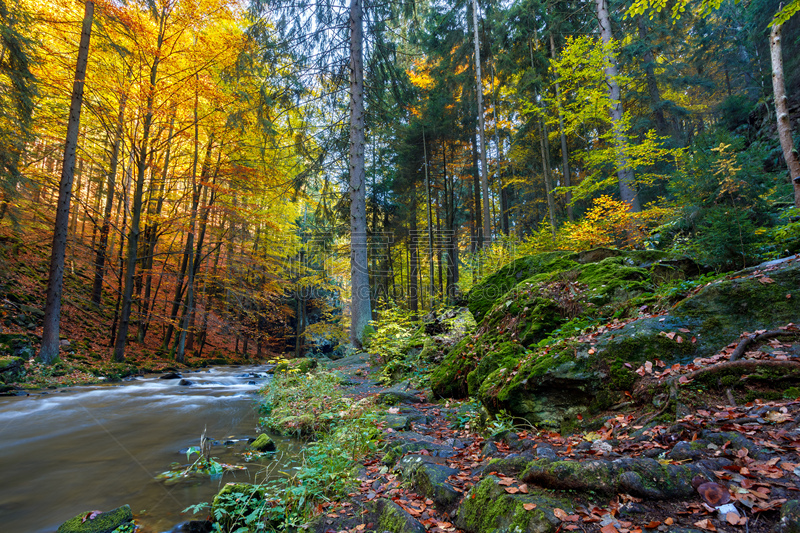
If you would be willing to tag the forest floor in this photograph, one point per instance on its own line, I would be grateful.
(747, 454)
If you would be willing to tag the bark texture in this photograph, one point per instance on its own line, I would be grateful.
(360, 309)
(52, 311)
(782, 111)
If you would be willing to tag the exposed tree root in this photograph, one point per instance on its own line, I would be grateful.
(741, 348)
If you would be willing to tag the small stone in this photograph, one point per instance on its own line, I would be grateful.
(185, 383)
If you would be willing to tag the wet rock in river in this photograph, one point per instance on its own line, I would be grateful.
(171, 375)
(97, 522)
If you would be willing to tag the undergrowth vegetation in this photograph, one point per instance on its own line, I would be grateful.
(341, 431)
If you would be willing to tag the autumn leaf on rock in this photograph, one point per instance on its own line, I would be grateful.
(560, 513)
(609, 528)
(529, 506)
(512, 490)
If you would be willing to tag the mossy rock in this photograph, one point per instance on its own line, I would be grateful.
(487, 507)
(637, 476)
(263, 444)
(102, 523)
(482, 296)
(544, 389)
(11, 364)
(552, 385)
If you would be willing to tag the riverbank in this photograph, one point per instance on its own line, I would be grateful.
(439, 467)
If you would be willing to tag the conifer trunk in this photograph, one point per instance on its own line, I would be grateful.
(52, 312)
(360, 310)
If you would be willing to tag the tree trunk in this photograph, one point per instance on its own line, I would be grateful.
(52, 312)
(100, 260)
(136, 211)
(413, 266)
(487, 221)
(548, 181)
(782, 112)
(564, 152)
(431, 289)
(360, 310)
(478, 220)
(627, 187)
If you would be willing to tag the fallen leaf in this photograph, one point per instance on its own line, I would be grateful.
(669, 521)
(609, 528)
(512, 490)
(529, 506)
(652, 525)
(360, 527)
(523, 488)
(560, 513)
(732, 518)
(766, 279)
(705, 524)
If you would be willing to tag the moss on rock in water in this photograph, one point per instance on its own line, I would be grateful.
(263, 444)
(487, 507)
(101, 523)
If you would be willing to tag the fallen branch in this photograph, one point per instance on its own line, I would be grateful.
(744, 364)
(741, 348)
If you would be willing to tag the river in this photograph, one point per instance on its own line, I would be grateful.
(98, 447)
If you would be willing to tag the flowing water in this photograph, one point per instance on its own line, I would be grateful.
(99, 447)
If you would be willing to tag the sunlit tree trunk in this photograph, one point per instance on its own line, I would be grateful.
(52, 312)
(627, 190)
(136, 210)
(360, 309)
(782, 111)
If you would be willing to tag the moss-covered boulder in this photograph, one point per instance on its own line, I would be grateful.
(263, 444)
(11, 368)
(483, 295)
(487, 507)
(468, 364)
(90, 522)
(584, 286)
(552, 384)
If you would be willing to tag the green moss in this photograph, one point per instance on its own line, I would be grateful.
(102, 523)
(449, 380)
(488, 508)
(263, 444)
(791, 393)
(481, 298)
(9, 363)
(505, 355)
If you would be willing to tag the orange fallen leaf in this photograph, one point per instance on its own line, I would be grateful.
(529, 506)
(652, 525)
(609, 528)
(705, 524)
(523, 488)
(669, 521)
(560, 514)
(512, 490)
